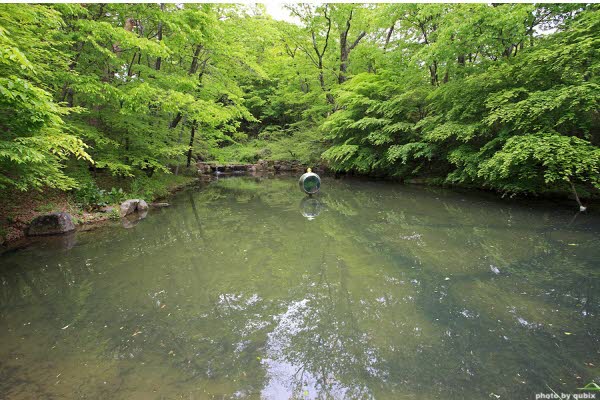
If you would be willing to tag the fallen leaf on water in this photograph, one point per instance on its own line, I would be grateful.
(65, 327)
(568, 333)
(136, 333)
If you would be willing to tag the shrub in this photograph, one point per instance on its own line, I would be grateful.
(90, 196)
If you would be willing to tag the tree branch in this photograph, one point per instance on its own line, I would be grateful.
(358, 39)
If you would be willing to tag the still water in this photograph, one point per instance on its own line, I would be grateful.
(244, 289)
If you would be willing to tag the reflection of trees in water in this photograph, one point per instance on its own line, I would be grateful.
(318, 345)
(330, 357)
(361, 311)
(490, 237)
(502, 237)
(531, 261)
(67, 292)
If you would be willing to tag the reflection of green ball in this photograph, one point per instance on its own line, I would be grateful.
(310, 207)
(310, 183)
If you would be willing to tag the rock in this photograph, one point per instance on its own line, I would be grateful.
(142, 206)
(51, 224)
(159, 205)
(262, 165)
(204, 168)
(130, 206)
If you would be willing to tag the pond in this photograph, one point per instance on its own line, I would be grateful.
(246, 289)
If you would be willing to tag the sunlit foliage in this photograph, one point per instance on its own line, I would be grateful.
(502, 96)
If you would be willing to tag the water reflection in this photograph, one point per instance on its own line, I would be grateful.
(310, 207)
(394, 292)
(133, 219)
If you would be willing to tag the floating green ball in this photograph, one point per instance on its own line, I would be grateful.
(310, 183)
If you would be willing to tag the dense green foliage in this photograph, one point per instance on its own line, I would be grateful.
(124, 87)
(498, 96)
(515, 113)
(34, 138)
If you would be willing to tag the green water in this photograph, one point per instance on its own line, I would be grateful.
(390, 292)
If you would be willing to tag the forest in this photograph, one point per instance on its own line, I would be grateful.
(448, 248)
(496, 96)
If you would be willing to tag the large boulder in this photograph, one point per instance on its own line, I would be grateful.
(51, 224)
(142, 206)
(130, 206)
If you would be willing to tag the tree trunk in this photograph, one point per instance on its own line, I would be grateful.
(345, 49)
(433, 72)
(343, 65)
(70, 97)
(322, 79)
(320, 54)
(328, 95)
(159, 37)
(193, 69)
(192, 134)
(582, 208)
(389, 36)
(194, 65)
(175, 121)
(179, 142)
(129, 70)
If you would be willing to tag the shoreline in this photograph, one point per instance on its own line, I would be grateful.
(90, 219)
(95, 219)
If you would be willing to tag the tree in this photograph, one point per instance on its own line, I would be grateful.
(511, 113)
(35, 140)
